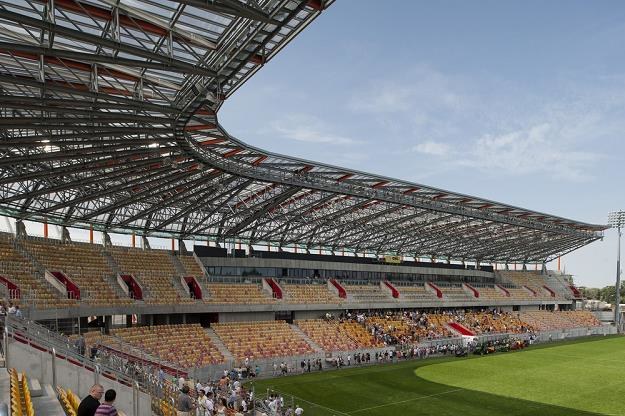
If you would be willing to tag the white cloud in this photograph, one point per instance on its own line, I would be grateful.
(540, 148)
(419, 91)
(432, 148)
(309, 129)
(496, 128)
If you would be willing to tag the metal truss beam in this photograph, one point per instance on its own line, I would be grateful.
(100, 41)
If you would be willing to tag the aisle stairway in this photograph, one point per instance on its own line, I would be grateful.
(219, 344)
(178, 265)
(310, 342)
(45, 404)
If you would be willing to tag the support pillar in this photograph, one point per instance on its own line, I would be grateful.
(128, 321)
(91, 234)
(83, 324)
(182, 248)
(106, 239)
(108, 323)
(65, 236)
(134, 243)
(20, 229)
(45, 229)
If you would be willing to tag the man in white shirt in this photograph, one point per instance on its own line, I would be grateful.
(201, 409)
(298, 410)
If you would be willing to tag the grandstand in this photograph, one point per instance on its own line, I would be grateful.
(184, 345)
(155, 270)
(110, 120)
(338, 336)
(262, 339)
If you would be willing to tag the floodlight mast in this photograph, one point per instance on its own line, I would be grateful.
(616, 220)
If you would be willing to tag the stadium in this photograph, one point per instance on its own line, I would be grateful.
(290, 284)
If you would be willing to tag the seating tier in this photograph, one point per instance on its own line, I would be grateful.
(262, 339)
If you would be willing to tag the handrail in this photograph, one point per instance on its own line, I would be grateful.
(30, 333)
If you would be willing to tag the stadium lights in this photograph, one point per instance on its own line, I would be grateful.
(616, 220)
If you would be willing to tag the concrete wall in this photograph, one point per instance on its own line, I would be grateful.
(246, 317)
(140, 308)
(38, 364)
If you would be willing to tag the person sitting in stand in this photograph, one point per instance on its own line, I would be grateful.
(90, 404)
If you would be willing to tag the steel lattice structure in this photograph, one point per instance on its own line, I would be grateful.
(109, 120)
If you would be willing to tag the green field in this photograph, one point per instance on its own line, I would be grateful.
(585, 377)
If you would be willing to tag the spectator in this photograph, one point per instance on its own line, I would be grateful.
(185, 403)
(18, 312)
(202, 403)
(90, 404)
(80, 345)
(107, 408)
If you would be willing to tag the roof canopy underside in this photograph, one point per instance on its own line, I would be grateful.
(108, 119)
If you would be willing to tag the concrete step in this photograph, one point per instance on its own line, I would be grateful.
(310, 342)
(45, 403)
(177, 265)
(219, 344)
(48, 404)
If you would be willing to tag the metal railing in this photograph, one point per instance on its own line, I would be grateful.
(61, 347)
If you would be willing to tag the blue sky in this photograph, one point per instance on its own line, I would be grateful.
(523, 103)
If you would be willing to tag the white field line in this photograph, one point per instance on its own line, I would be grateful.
(405, 401)
(311, 403)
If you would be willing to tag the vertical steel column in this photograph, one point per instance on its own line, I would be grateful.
(617, 300)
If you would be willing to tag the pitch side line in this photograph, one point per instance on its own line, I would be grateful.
(405, 401)
(312, 403)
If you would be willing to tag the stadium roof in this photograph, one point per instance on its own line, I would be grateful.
(109, 120)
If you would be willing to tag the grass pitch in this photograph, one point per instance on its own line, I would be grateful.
(584, 377)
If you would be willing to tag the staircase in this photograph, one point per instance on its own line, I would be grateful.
(112, 279)
(219, 344)
(177, 284)
(38, 272)
(178, 265)
(111, 262)
(558, 284)
(26, 254)
(302, 334)
(44, 400)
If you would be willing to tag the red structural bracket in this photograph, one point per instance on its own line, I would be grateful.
(14, 291)
(275, 288)
(531, 290)
(476, 293)
(72, 289)
(133, 286)
(504, 290)
(340, 288)
(575, 291)
(461, 329)
(394, 291)
(194, 287)
(439, 293)
(551, 292)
